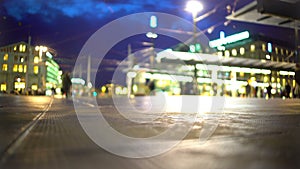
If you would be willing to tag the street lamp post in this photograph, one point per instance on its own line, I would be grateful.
(194, 7)
(152, 35)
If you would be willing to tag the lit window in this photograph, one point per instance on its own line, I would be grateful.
(227, 53)
(24, 48)
(242, 74)
(268, 57)
(263, 47)
(15, 68)
(34, 87)
(4, 67)
(15, 48)
(3, 87)
(220, 54)
(266, 79)
(5, 56)
(276, 50)
(234, 52)
(25, 68)
(20, 68)
(21, 48)
(273, 79)
(21, 59)
(278, 80)
(36, 59)
(35, 69)
(19, 85)
(242, 51)
(252, 48)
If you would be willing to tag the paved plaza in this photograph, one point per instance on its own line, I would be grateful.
(249, 133)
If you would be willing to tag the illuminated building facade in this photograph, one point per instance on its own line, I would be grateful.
(21, 64)
(238, 60)
(274, 58)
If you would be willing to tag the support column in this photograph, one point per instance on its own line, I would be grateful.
(130, 65)
(296, 43)
(196, 91)
(88, 79)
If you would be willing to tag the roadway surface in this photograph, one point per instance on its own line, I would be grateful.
(250, 134)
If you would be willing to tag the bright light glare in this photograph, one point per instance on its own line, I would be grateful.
(153, 21)
(44, 48)
(285, 73)
(194, 7)
(131, 74)
(89, 85)
(152, 35)
(78, 81)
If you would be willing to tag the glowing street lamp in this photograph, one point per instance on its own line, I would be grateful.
(194, 7)
(41, 49)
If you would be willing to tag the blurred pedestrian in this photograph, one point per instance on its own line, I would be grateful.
(256, 90)
(287, 90)
(248, 90)
(66, 84)
(53, 91)
(151, 86)
(215, 89)
(297, 79)
(296, 92)
(269, 91)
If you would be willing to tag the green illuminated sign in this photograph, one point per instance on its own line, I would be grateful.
(195, 48)
(229, 39)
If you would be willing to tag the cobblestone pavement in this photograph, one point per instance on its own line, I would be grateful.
(251, 133)
(16, 113)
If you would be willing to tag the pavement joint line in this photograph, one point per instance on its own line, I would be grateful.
(85, 103)
(13, 146)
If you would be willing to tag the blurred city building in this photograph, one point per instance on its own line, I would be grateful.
(239, 60)
(22, 63)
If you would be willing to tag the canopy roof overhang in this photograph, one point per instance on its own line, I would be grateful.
(280, 13)
(209, 59)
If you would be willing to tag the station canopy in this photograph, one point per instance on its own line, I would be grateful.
(209, 59)
(280, 13)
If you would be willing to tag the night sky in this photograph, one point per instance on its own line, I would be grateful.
(65, 25)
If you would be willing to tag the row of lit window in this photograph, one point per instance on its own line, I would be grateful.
(269, 48)
(18, 85)
(234, 52)
(19, 48)
(22, 48)
(265, 47)
(21, 59)
(242, 51)
(20, 68)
